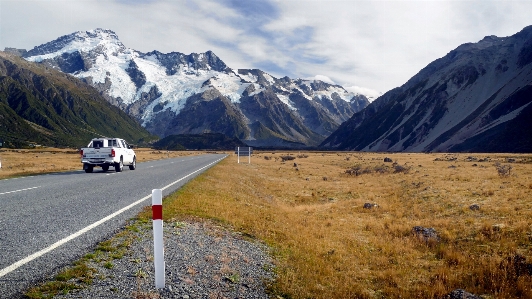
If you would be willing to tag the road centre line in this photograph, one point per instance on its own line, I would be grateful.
(42, 252)
(20, 190)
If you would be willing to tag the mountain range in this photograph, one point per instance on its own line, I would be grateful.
(39, 105)
(474, 99)
(175, 93)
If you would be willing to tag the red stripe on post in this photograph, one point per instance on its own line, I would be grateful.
(157, 212)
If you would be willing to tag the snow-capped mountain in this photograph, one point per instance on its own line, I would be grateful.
(476, 98)
(175, 93)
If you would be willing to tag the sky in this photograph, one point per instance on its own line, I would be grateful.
(367, 46)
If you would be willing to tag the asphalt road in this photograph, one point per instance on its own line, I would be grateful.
(49, 221)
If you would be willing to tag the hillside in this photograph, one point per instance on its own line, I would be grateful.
(475, 99)
(206, 141)
(39, 105)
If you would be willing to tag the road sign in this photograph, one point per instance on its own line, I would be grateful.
(244, 151)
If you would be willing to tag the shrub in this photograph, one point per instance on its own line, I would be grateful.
(355, 170)
(358, 170)
(400, 168)
(287, 158)
(381, 169)
(503, 170)
(302, 156)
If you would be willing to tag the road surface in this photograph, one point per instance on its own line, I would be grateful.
(49, 221)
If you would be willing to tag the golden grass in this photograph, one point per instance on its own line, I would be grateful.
(328, 246)
(21, 162)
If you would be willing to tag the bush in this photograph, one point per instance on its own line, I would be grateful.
(503, 170)
(381, 169)
(302, 156)
(287, 158)
(358, 170)
(355, 170)
(400, 168)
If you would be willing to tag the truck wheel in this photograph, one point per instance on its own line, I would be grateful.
(105, 167)
(88, 169)
(119, 166)
(133, 164)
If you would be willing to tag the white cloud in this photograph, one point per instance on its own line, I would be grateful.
(322, 78)
(368, 92)
(377, 45)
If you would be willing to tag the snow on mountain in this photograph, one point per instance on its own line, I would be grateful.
(369, 93)
(81, 41)
(154, 86)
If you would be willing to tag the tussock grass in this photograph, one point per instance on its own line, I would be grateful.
(327, 245)
(22, 162)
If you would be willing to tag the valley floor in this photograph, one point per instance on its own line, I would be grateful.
(350, 225)
(23, 162)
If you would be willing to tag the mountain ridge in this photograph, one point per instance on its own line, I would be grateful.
(458, 102)
(155, 88)
(39, 105)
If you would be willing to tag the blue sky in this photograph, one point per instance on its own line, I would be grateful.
(364, 45)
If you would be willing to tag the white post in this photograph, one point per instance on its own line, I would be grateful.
(238, 154)
(249, 159)
(158, 248)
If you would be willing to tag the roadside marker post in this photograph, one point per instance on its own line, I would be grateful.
(158, 247)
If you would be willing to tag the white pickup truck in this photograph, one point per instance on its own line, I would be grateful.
(107, 152)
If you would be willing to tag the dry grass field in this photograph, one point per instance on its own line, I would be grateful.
(349, 225)
(21, 162)
(473, 219)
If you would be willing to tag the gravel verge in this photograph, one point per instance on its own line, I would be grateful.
(202, 261)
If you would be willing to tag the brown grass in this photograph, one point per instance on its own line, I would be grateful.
(22, 162)
(328, 246)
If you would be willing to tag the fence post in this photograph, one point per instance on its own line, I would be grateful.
(158, 247)
(238, 154)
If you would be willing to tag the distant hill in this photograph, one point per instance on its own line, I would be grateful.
(39, 105)
(477, 98)
(206, 141)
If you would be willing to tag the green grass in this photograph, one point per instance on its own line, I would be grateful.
(80, 275)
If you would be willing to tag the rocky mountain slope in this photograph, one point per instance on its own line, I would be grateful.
(475, 99)
(206, 141)
(175, 93)
(39, 105)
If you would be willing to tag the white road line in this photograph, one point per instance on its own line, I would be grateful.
(42, 252)
(20, 190)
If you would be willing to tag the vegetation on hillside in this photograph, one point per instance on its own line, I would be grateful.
(42, 106)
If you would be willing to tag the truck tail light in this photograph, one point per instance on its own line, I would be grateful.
(112, 152)
(81, 152)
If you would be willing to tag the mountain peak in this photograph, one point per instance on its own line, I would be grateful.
(83, 41)
(176, 93)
